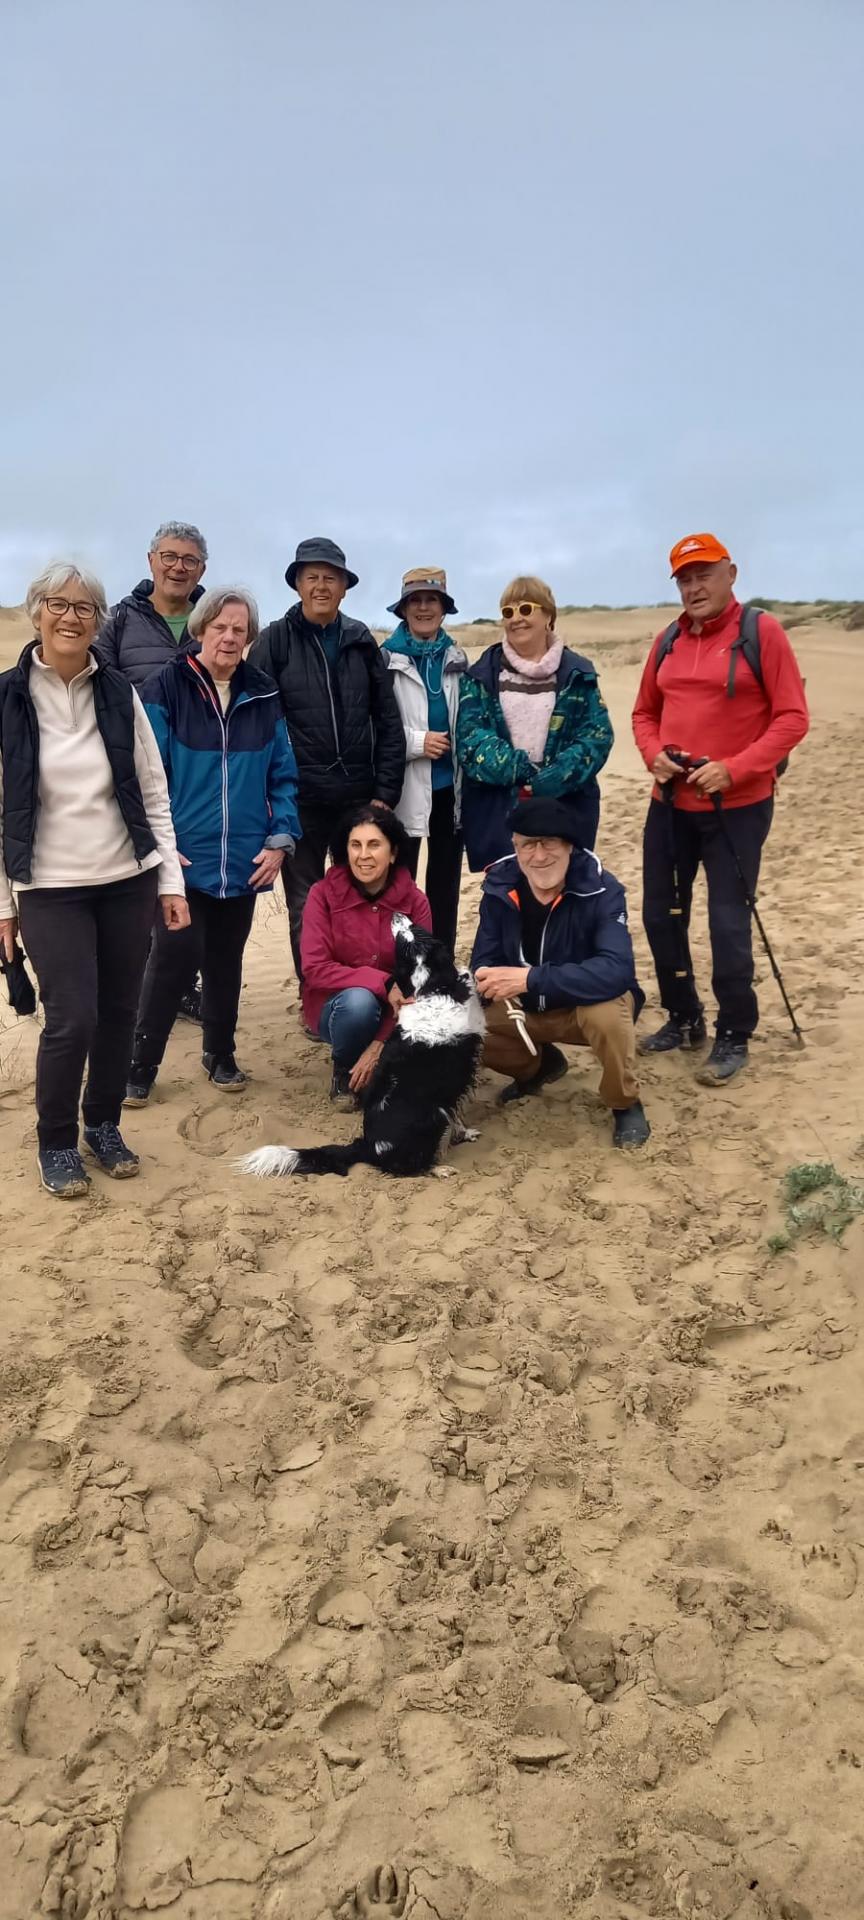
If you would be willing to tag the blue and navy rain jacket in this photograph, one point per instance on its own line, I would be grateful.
(232, 778)
(586, 955)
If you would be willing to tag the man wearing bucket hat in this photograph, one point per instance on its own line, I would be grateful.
(721, 688)
(340, 708)
(426, 671)
(553, 961)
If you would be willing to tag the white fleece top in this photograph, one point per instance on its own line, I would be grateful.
(81, 839)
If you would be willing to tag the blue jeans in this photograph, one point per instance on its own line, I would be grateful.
(350, 1021)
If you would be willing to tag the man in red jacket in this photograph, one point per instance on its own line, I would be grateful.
(741, 712)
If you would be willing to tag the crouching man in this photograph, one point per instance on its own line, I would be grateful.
(553, 961)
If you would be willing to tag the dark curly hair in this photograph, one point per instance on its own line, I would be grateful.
(369, 816)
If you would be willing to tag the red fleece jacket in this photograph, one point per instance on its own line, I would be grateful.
(347, 941)
(686, 705)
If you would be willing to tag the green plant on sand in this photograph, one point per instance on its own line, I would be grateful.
(817, 1199)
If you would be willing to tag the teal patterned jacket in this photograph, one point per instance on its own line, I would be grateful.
(578, 744)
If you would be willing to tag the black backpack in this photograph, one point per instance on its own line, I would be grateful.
(747, 644)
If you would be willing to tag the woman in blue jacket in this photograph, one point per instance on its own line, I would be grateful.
(232, 782)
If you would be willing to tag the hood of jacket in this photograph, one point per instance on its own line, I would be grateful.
(342, 892)
(586, 876)
(488, 668)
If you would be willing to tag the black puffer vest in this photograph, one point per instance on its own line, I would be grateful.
(19, 752)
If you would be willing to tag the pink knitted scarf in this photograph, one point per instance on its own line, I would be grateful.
(527, 690)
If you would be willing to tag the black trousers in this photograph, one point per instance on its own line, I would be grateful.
(306, 865)
(691, 838)
(220, 930)
(88, 946)
(443, 865)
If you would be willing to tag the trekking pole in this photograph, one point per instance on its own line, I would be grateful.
(676, 911)
(717, 803)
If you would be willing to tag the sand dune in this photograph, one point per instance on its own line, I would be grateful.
(506, 1528)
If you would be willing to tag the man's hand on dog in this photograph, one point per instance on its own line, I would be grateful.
(501, 983)
(363, 1069)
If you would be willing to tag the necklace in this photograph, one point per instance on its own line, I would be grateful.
(426, 674)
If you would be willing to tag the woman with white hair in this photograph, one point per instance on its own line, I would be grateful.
(232, 778)
(87, 846)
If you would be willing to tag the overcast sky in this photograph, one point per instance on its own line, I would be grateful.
(499, 285)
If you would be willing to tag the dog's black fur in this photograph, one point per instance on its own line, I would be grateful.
(427, 1067)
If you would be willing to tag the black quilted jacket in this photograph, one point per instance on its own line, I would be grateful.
(348, 738)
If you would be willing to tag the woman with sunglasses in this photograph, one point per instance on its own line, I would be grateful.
(531, 722)
(88, 846)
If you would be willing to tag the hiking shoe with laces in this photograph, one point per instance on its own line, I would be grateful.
(62, 1172)
(139, 1085)
(190, 1006)
(224, 1072)
(727, 1057)
(340, 1091)
(631, 1128)
(676, 1033)
(107, 1145)
(553, 1066)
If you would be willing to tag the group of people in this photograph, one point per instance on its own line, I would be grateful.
(165, 762)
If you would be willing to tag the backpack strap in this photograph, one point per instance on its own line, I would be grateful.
(665, 644)
(747, 643)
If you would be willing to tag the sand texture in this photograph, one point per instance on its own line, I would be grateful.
(473, 1549)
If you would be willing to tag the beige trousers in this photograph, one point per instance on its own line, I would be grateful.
(606, 1028)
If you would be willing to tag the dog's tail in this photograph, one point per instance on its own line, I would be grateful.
(269, 1161)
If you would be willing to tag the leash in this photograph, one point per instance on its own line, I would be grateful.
(516, 1014)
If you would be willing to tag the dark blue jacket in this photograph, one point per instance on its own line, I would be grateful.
(587, 955)
(578, 744)
(232, 778)
(135, 639)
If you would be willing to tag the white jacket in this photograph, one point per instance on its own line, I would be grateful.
(415, 803)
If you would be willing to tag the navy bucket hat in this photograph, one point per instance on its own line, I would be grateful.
(319, 552)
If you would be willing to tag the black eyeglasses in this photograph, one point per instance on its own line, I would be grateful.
(187, 561)
(85, 609)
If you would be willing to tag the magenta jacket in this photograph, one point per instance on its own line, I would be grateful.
(348, 942)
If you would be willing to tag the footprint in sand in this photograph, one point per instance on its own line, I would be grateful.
(381, 1895)
(215, 1129)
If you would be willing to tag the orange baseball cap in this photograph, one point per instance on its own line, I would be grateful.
(697, 549)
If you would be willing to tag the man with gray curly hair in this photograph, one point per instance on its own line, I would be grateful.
(147, 628)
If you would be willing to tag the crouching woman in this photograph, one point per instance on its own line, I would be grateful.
(347, 945)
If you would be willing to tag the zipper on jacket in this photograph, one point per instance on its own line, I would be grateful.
(336, 741)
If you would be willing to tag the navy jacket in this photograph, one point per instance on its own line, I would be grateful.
(232, 779)
(587, 954)
(344, 723)
(136, 639)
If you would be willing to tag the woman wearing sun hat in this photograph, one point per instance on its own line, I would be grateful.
(531, 722)
(427, 671)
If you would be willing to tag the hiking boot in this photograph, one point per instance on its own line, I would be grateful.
(107, 1145)
(139, 1085)
(553, 1066)
(727, 1057)
(190, 1005)
(631, 1127)
(676, 1033)
(62, 1172)
(340, 1091)
(224, 1072)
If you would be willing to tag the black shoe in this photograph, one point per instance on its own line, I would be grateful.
(676, 1033)
(139, 1085)
(62, 1172)
(631, 1127)
(190, 1006)
(107, 1145)
(340, 1091)
(553, 1066)
(727, 1057)
(224, 1072)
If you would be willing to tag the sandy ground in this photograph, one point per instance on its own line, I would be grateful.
(506, 1528)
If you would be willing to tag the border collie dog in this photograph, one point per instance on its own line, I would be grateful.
(427, 1067)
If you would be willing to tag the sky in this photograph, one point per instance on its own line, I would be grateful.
(496, 285)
